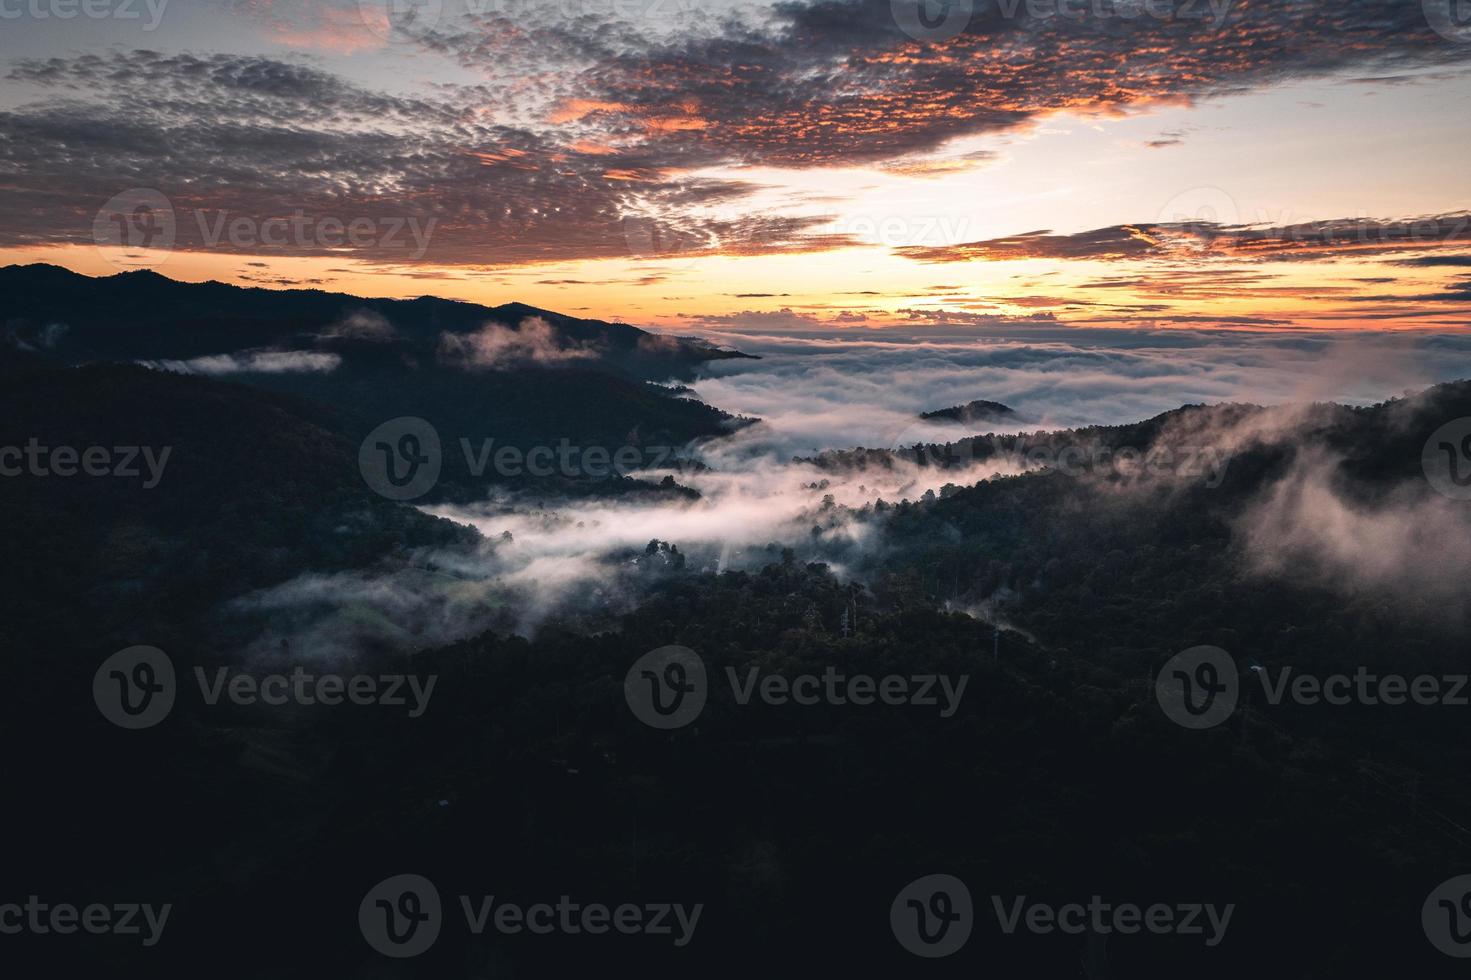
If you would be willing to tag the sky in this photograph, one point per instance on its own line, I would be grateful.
(804, 168)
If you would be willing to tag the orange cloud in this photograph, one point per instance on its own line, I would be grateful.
(571, 110)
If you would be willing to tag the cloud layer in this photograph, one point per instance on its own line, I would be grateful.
(580, 121)
(823, 391)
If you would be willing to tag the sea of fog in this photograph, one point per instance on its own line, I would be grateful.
(836, 390)
(577, 562)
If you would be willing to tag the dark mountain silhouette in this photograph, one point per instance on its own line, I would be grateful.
(1079, 579)
(522, 376)
(143, 315)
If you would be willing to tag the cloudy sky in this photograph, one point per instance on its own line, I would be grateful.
(804, 167)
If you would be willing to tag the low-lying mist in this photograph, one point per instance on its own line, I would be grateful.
(579, 562)
(582, 561)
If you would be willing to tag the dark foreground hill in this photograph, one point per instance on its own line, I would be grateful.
(198, 490)
(1057, 776)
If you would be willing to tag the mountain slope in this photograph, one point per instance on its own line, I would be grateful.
(515, 374)
(145, 316)
(211, 489)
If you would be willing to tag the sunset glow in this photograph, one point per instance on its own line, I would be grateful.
(605, 159)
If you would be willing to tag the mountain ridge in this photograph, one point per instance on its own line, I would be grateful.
(516, 373)
(247, 317)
